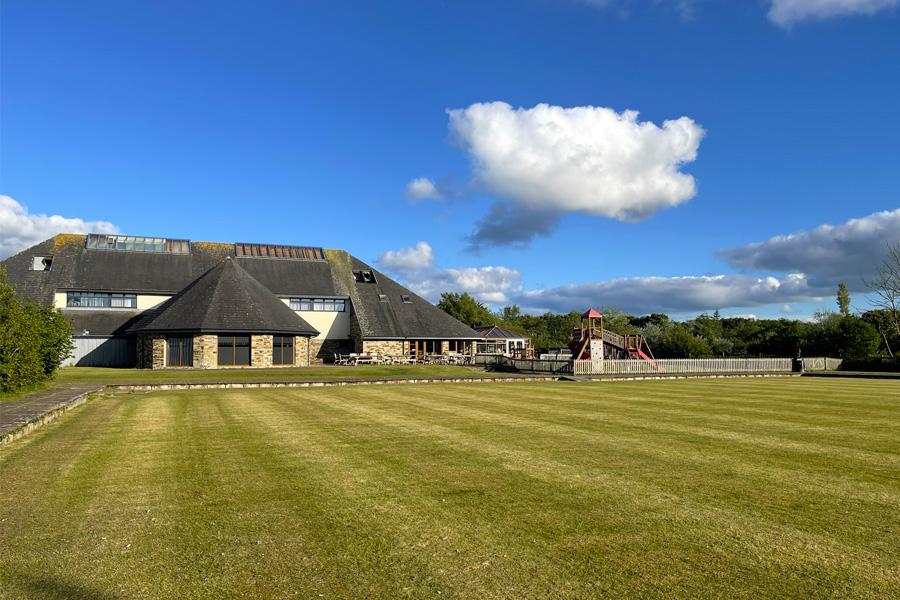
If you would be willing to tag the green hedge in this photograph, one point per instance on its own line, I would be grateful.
(34, 340)
(875, 365)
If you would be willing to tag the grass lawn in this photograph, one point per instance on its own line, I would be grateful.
(324, 373)
(652, 489)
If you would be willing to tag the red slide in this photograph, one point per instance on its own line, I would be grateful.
(648, 359)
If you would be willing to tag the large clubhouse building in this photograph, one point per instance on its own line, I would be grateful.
(158, 303)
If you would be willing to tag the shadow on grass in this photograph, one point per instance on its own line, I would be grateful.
(53, 587)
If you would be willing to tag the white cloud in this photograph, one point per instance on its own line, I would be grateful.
(422, 188)
(789, 12)
(827, 254)
(493, 285)
(593, 160)
(19, 229)
(641, 295)
(408, 260)
(415, 266)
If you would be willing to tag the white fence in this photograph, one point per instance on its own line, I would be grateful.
(820, 363)
(676, 366)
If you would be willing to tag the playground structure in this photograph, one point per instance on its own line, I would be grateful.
(591, 341)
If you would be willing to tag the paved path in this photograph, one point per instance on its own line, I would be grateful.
(19, 416)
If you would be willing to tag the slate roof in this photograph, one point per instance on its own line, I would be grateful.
(392, 318)
(78, 268)
(75, 267)
(495, 332)
(114, 322)
(224, 299)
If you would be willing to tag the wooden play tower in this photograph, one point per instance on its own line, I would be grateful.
(590, 340)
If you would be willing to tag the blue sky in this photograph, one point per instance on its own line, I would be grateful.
(304, 123)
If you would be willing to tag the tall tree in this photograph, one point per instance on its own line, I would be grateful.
(466, 309)
(886, 286)
(843, 299)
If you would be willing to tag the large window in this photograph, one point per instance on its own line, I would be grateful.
(234, 350)
(181, 351)
(136, 243)
(100, 300)
(282, 349)
(318, 304)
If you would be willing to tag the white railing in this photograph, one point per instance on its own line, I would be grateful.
(677, 366)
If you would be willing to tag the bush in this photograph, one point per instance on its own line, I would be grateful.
(34, 340)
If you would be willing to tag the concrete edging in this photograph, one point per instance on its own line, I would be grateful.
(146, 387)
(49, 416)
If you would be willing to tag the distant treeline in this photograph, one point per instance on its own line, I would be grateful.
(838, 334)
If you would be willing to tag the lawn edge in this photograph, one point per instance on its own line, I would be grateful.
(82, 397)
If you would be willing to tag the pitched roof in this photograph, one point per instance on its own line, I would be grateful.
(112, 322)
(496, 332)
(225, 299)
(76, 267)
(400, 314)
(591, 313)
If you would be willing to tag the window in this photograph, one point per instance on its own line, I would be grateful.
(122, 301)
(319, 304)
(278, 251)
(364, 276)
(234, 350)
(136, 243)
(41, 263)
(181, 351)
(282, 349)
(405, 299)
(100, 300)
(382, 298)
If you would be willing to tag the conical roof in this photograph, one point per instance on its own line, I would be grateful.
(225, 299)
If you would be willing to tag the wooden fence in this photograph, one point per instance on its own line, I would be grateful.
(678, 366)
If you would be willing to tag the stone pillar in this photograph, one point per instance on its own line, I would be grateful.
(316, 355)
(261, 351)
(157, 352)
(302, 351)
(206, 351)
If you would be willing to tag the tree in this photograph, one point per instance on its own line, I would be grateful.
(857, 339)
(511, 313)
(886, 286)
(467, 309)
(843, 299)
(34, 340)
(881, 321)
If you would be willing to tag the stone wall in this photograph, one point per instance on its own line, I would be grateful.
(206, 351)
(392, 347)
(261, 351)
(151, 351)
(301, 351)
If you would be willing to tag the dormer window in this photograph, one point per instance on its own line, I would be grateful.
(405, 299)
(364, 276)
(41, 263)
(382, 298)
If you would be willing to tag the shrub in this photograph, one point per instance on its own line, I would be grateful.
(34, 340)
